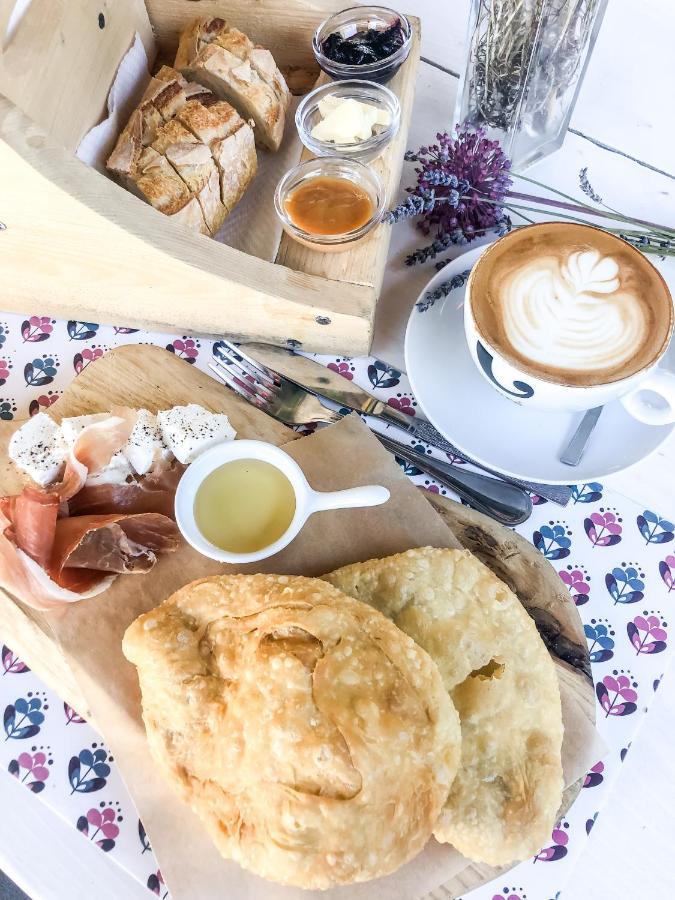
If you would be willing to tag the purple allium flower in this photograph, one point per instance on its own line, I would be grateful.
(463, 191)
(456, 178)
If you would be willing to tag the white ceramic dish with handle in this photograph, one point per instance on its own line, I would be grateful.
(307, 500)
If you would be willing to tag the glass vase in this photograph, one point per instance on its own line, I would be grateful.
(524, 66)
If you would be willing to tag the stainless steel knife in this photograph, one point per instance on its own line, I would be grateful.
(506, 503)
(323, 382)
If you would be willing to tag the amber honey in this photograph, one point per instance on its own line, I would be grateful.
(244, 505)
(329, 205)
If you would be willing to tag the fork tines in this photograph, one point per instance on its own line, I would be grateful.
(245, 389)
(235, 356)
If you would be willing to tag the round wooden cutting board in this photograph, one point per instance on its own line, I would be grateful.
(145, 376)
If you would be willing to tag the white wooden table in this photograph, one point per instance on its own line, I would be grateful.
(623, 130)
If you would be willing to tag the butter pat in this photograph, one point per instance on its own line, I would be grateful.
(348, 121)
(38, 449)
(190, 430)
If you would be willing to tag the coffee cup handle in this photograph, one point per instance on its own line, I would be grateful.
(637, 403)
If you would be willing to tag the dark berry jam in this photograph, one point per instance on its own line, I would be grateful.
(366, 48)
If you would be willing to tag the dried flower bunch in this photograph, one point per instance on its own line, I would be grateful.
(463, 192)
(506, 37)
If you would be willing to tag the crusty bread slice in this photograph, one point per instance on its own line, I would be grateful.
(193, 162)
(228, 63)
(167, 96)
(217, 31)
(231, 142)
(187, 153)
(237, 82)
(214, 210)
(191, 216)
(237, 163)
(210, 121)
(159, 184)
(261, 59)
(156, 182)
(127, 151)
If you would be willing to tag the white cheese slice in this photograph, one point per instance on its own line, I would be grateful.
(38, 449)
(145, 446)
(72, 427)
(190, 430)
(118, 469)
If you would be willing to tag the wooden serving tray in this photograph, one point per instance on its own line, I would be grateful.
(141, 375)
(77, 245)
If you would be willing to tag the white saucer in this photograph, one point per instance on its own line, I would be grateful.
(495, 431)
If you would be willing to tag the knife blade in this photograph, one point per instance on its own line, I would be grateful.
(324, 382)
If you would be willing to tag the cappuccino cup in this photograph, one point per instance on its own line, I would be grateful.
(566, 317)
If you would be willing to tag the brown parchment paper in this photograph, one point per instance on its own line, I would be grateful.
(90, 634)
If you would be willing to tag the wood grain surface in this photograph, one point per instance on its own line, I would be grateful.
(104, 255)
(136, 376)
(61, 60)
(146, 376)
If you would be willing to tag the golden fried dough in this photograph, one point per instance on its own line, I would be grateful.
(313, 738)
(504, 800)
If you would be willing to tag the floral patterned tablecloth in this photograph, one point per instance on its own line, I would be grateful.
(615, 557)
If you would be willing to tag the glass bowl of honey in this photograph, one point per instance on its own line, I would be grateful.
(354, 118)
(330, 203)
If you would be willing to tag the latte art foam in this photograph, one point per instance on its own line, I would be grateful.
(573, 310)
(570, 304)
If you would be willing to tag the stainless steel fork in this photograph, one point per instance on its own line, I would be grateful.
(293, 405)
(269, 391)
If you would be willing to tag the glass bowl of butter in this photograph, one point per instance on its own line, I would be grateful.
(353, 118)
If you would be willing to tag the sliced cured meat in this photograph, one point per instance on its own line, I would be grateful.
(33, 516)
(110, 548)
(113, 543)
(85, 554)
(93, 449)
(28, 582)
(154, 493)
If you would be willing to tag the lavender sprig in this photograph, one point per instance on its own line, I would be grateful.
(463, 192)
(586, 186)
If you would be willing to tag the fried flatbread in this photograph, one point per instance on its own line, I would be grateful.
(504, 800)
(313, 738)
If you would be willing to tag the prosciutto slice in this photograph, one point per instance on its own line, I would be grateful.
(153, 493)
(33, 515)
(73, 558)
(22, 577)
(114, 543)
(92, 451)
(70, 541)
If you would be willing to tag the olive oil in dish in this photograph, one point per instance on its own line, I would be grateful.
(244, 505)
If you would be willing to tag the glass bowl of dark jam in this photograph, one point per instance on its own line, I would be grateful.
(370, 42)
